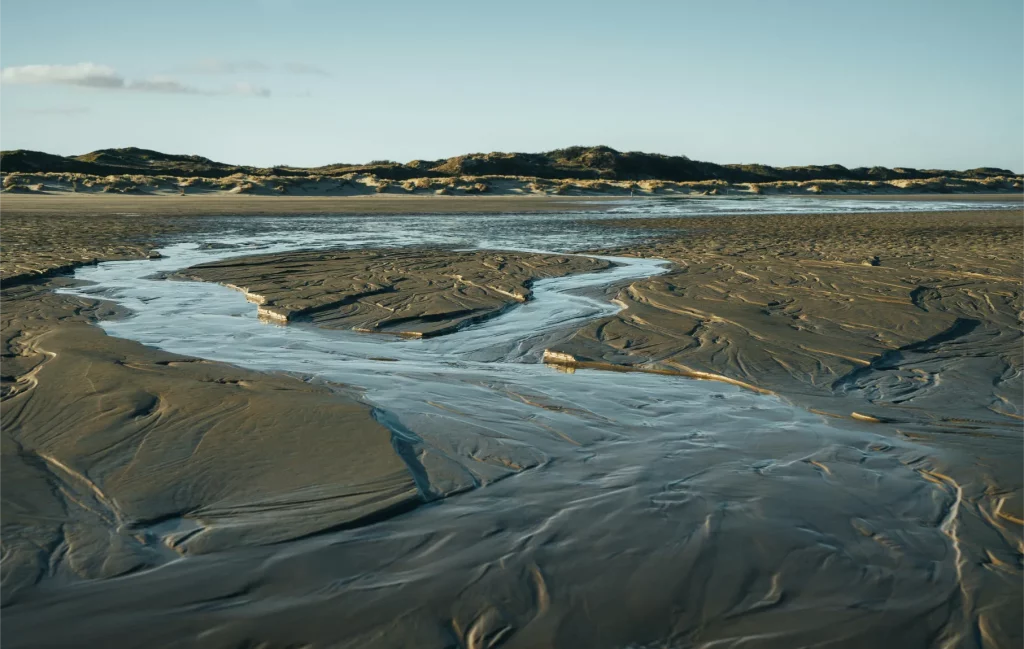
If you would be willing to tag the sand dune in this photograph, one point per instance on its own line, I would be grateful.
(368, 184)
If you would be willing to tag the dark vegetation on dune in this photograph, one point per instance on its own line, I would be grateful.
(578, 162)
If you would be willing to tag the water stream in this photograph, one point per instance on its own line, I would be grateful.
(613, 509)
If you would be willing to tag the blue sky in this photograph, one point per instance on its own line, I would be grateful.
(898, 83)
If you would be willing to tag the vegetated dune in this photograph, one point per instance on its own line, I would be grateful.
(574, 171)
(571, 163)
(417, 293)
(361, 184)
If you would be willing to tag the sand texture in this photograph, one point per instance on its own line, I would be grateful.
(117, 456)
(733, 522)
(417, 293)
(51, 239)
(909, 321)
(896, 309)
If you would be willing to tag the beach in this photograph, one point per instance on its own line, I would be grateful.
(887, 343)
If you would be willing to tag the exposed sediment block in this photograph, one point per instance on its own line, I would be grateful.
(414, 293)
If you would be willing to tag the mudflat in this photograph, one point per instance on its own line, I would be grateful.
(118, 457)
(909, 321)
(417, 293)
(107, 444)
(882, 312)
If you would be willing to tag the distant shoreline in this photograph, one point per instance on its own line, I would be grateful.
(223, 203)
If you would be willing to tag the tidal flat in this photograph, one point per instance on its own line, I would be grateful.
(179, 472)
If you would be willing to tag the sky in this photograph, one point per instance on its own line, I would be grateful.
(913, 83)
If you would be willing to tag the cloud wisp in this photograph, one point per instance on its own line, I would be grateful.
(102, 77)
(221, 66)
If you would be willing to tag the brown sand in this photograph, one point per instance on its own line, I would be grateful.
(907, 320)
(833, 304)
(234, 204)
(117, 456)
(416, 293)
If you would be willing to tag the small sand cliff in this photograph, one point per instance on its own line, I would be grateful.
(416, 293)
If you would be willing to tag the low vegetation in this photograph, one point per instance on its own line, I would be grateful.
(568, 172)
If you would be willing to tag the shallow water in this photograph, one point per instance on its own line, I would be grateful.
(594, 508)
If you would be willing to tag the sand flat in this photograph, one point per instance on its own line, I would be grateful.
(832, 304)
(418, 292)
(118, 457)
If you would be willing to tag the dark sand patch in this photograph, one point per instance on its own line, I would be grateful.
(908, 320)
(416, 293)
(118, 457)
(710, 581)
(827, 305)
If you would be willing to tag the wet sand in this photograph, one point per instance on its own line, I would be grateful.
(225, 204)
(108, 444)
(913, 318)
(888, 311)
(909, 321)
(416, 293)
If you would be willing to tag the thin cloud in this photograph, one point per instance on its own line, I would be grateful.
(250, 90)
(295, 67)
(88, 75)
(91, 75)
(222, 66)
(57, 110)
(163, 84)
(219, 66)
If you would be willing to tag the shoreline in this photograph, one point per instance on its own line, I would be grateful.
(225, 204)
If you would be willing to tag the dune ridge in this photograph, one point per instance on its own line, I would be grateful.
(579, 170)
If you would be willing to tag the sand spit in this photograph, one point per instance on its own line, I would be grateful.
(366, 184)
(415, 293)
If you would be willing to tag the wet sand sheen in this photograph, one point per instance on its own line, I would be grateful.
(662, 498)
(685, 513)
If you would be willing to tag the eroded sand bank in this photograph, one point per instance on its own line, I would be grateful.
(417, 293)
